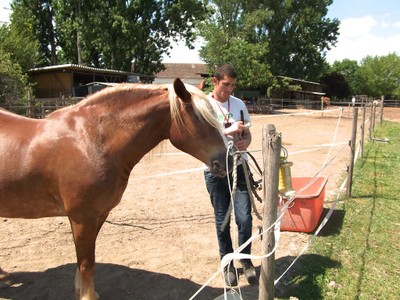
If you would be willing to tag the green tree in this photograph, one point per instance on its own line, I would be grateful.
(109, 33)
(17, 41)
(336, 84)
(17, 55)
(348, 68)
(292, 36)
(33, 21)
(300, 34)
(13, 82)
(379, 75)
(230, 39)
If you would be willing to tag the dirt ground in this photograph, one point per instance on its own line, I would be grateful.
(160, 242)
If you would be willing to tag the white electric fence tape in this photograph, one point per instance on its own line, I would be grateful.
(227, 259)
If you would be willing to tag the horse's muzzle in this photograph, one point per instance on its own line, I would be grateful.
(218, 169)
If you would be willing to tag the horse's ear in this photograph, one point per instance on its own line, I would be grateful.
(181, 91)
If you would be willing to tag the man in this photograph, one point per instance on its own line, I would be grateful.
(230, 111)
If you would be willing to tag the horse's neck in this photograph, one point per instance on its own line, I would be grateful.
(135, 130)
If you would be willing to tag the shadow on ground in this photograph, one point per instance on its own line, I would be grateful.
(300, 280)
(334, 224)
(112, 282)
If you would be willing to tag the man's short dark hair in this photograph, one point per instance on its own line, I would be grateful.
(225, 70)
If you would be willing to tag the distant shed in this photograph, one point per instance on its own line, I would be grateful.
(308, 90)
(73, 80)
(189, 73)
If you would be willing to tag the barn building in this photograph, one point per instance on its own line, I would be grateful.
(75, 80)
(189, 73)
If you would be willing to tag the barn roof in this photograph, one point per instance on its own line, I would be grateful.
(73, 67)
(188, 71)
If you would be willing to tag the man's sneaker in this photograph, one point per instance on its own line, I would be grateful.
(230, 275)
(249, 271)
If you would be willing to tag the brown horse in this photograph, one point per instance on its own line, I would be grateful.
(326, 101)
(77, 161)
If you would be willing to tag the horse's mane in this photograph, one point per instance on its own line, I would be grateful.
(200, 102)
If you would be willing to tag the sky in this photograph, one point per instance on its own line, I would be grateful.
(368, 27)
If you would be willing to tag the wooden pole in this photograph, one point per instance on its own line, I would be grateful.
(30, 107)
(381, 114)
(352, 154)
(322, 106)
(363, 131)
(370, 122)
(373, 116)
(271, 142)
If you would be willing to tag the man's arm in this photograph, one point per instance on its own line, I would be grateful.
(244, 142)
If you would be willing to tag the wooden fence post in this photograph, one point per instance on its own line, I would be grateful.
(373, 116)
(362, 131)
(30, 111)
(352, 154)
(370, 122)
(271, 145)
(381, 114)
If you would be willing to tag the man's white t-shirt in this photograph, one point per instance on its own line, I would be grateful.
(230, 112)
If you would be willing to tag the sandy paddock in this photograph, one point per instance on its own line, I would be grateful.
(160, 243)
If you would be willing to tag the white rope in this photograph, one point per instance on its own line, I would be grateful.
(316, 146)
(324, 166)
(323, 223)
(309, 183)
(237, 255)
(276, 225)
(314, 236)
(252, 151)
(171, 173)
(297, 114)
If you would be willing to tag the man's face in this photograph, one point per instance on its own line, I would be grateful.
(223, 88)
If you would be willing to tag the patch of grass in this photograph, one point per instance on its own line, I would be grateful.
(360, 259)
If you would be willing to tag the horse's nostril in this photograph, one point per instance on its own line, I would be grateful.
(218, 169)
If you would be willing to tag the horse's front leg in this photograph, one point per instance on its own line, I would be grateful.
(85, 234)
(5, 278)
(3, 274)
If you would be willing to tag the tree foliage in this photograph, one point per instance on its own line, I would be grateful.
(379, 75)
(13, 82)
(299, 34)
(336, 85)
(107, 33)
(348, 69)
(227, 41)
(22, 48)
(31, 20)
(373, 76)
(17, 54)
(293, 35)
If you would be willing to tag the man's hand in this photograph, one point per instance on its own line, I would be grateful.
(240, 134)
(235, 129)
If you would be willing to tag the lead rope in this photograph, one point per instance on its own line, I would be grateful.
(255, 185)
(232, 188)
(250, 187)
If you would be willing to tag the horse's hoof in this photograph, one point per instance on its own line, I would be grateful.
(96, 296)
(6, 283)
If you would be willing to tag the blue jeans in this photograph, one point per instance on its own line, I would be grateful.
(218, 189)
